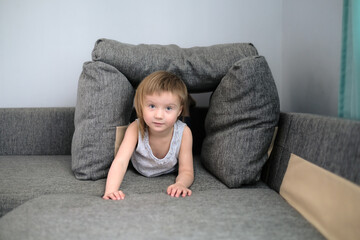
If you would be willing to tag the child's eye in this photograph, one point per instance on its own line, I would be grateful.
(151, 106)
(168, 108)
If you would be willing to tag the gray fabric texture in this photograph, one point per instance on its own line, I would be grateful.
(104, 101)
(243, 113)
(330, 143)
(36, 131)
(220, 214)
(26, 177)
(201, 68)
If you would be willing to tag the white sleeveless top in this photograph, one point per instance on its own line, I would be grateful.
(147, 164)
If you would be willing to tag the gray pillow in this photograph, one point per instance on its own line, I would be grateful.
(243, 113)
(201, 68)
(104, 101)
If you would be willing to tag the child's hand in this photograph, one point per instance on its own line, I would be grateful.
(177, 189)
(117, 195)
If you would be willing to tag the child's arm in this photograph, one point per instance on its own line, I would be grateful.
(120, 164)
(186, 169)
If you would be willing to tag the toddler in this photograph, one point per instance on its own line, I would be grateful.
(157, 142)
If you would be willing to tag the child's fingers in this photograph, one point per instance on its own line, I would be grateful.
(122, 195)
(112, 196)
(178, 192)
(174, 191)
(119, 195)
(181, 191)
(186, 193)
(169, 189)
(189, 192)
(116, 196)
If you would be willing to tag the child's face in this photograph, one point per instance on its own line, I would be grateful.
(161, 111)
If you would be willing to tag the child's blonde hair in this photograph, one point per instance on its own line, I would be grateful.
(158, 82)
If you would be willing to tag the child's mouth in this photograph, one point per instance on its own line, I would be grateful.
(158, 124)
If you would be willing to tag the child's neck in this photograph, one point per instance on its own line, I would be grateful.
(163, 134)
(160, 142)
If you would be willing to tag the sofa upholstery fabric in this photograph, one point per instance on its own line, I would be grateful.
(219, 214)
(104, 101)
(201, 68)
(42, 188)
(240, 123)
(48, 131)
(26, 177)
(324, 141)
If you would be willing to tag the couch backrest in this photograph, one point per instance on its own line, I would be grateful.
(36, 131)
(49, 131)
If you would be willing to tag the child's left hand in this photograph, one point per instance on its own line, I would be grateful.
(177, 189)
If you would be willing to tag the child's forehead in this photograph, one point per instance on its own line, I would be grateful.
(163, 96)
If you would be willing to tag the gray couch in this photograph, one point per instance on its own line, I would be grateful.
(41, 199)
(251, 181)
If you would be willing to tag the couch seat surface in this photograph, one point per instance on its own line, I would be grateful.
(26, 177)
(246, 213)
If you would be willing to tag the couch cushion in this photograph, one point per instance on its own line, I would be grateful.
(201, 68)
(26, 177)
(240, 123)
(104, 101)
(212, 214)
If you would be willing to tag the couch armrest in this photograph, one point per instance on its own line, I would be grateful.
(328, 142)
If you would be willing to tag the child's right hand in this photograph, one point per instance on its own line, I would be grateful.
(117, 195)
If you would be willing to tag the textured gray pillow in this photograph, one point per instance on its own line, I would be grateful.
(104, 101)
(243, 113)
(201, 68)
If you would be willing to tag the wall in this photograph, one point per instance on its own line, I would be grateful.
(311, 56)
(43, 44)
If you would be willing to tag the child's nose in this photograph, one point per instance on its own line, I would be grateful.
(159, 113)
